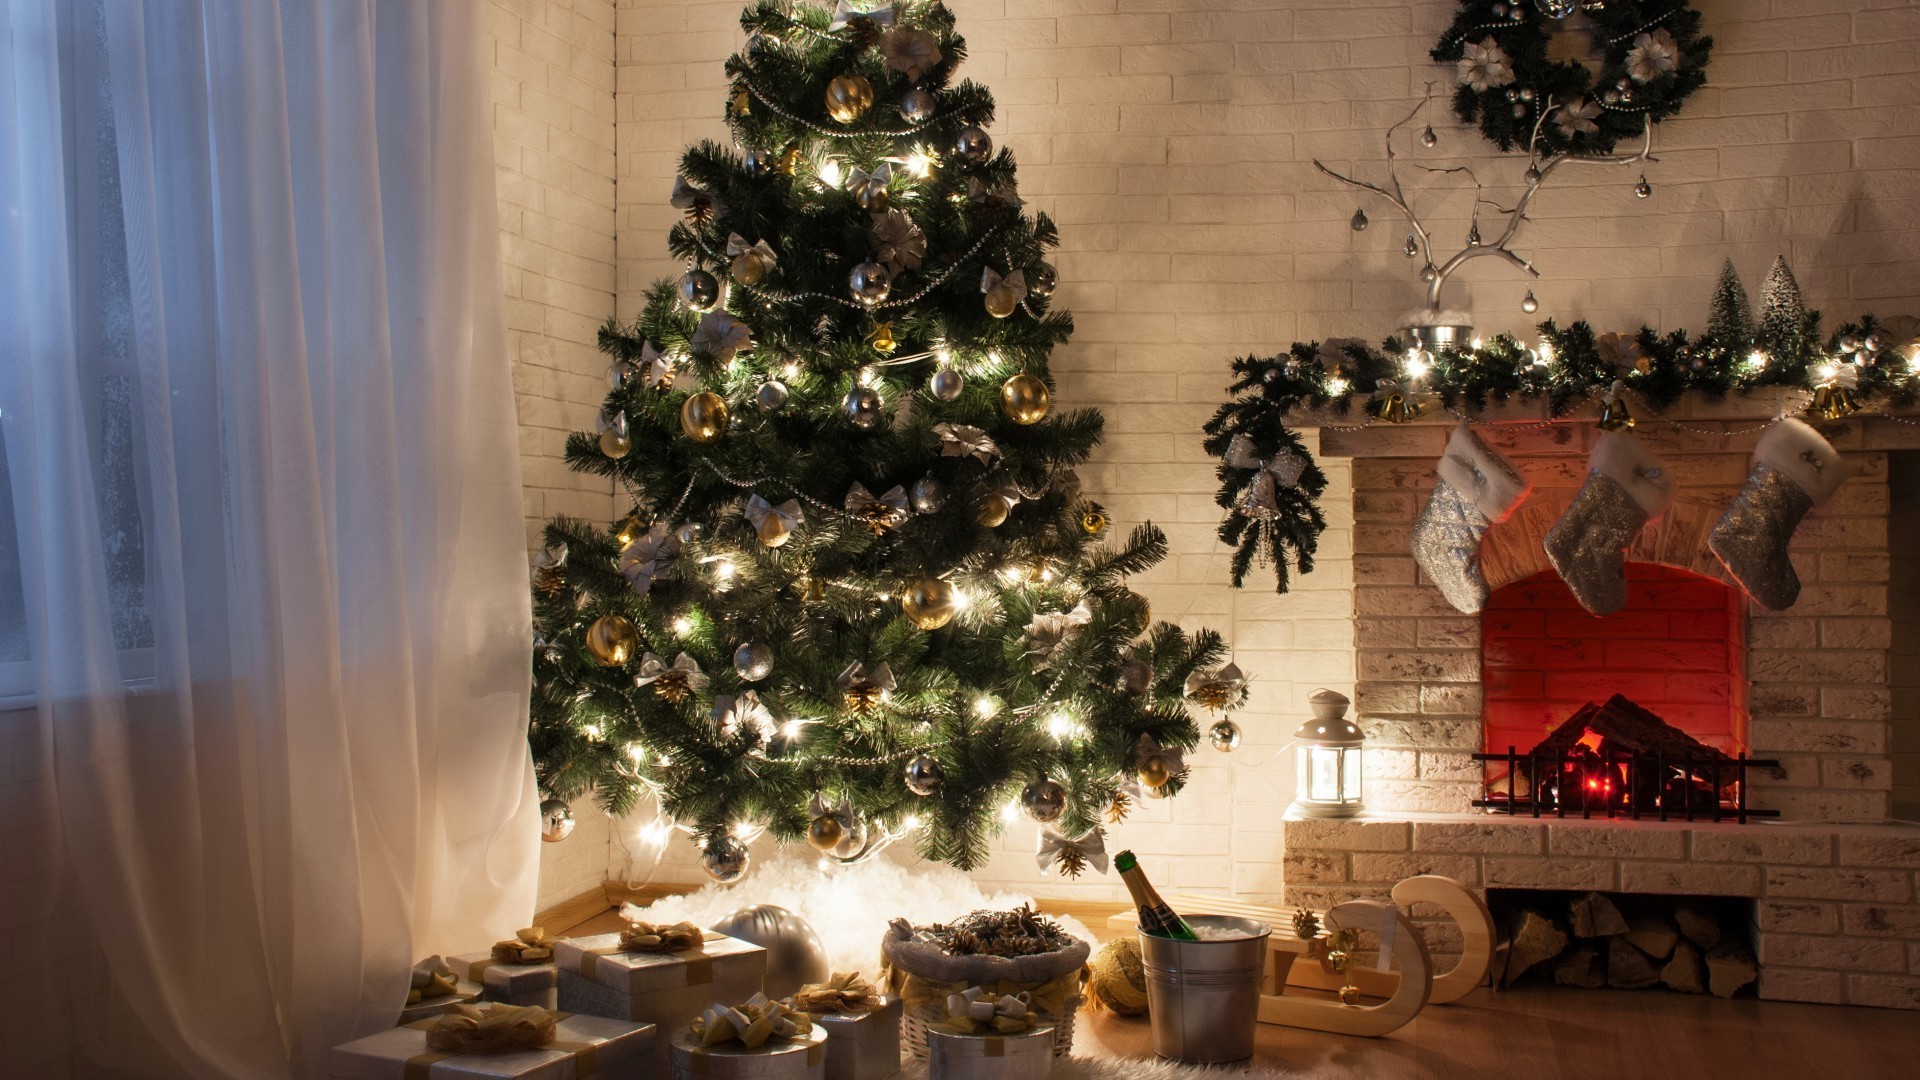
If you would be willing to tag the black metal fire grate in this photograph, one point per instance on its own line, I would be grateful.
(1616, 784)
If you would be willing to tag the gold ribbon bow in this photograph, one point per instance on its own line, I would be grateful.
(431, 978)
(877, 512)
(976, 1011)
(646, 937)
(846, 992)
(492, 1029)
(529, 946)
(1048, 998)
(751, 1023)
(965, 440)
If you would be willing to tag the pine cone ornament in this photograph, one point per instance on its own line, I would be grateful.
(1306, 925)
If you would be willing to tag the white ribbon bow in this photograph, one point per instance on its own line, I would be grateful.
(1282, 470)
(883, 173)
(1332, 354)
(688, 197)
(1227, 678)
(759, 510)
(649, 558)
(878, 512)
(1049, 632)
(738, 246)
(967, 1005)
(1846, 376)
(656, 368)
(844, 13)
(1091, 845)
(652, 668)
(550, 558)
(965, 440)
(857, 675)
(1017, 281)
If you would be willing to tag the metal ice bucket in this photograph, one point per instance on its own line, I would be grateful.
(1203, 997)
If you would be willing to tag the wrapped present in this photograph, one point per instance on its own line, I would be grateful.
(520, 971)
(801, 1058)
(667, 988)
(579, 1046)
(434, 986)
(989, 1036)
(863, 1028)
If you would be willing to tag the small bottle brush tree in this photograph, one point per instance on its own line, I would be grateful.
(859, 594)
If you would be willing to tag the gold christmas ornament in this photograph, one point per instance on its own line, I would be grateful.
(612, 639)
(882, 339)
(1833, 402)
(848, 97)
(742, 102)
(1024, 399)
(790, 160)
(748, 268)
(615, 442)
(929, 604)
(1153, 771)
(824, 832)
(1613, 411)
(703, 416)
(1093, 519)
(1002, 300)
(993, 511)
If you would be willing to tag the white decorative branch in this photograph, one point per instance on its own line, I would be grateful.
(1540, 165)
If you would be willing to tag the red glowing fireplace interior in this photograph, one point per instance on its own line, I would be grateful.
(1677, 650)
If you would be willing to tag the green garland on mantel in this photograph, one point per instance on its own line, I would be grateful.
(1565, 368)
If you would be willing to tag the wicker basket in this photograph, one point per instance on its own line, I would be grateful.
(906, 955)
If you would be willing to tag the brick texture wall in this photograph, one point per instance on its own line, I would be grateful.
(1903, 484)
(553, 123)
(1172, 141)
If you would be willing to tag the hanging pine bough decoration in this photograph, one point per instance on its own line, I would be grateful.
(1269, 484)
(1513, 60)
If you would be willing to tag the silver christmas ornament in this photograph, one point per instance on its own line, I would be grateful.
(916, 106)
(1557, 9)
(556, 820)
(620, 373)
(1043, 279)
(1473, 235)
(699, 290)
(757, 162)
(1519, 111)
(1428, 273)
(947, 384)
(1532, 175)
(924, 775)
(772, 396)
(869, 283)
(691, 533)
(1358, 223)
(1849, 344)
(1044, 801)
(795, 955)
(725, 859)
(1877, 341)
(1411, 247)
(1528, 304)
(1642, 189)
(863, 407)
(973, 144)
(753, 660)
(1224, 735)
(929, 495)
(1136, 677)
(1427, 137)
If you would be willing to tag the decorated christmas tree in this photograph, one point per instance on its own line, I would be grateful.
(859, 595)
(1730, 317)
(1785, 331)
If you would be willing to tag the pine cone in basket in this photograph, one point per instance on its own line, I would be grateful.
(1020, 932)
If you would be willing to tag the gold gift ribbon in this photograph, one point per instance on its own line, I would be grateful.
(586, 1056)
(699, 965)
(1048, 998)
(420, 1065)
(993, 1046)
(477, 971)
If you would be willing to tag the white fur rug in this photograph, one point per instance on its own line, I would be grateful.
(1089, 1068)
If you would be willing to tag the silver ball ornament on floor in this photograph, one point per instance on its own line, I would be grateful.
(795, 955)
(556, 820)
(863, 407)
(725, 859)
(753, 660)
(924, 775)
(947, 384)
(1224, 735)
(699, 290)
(1044, 801)
(772, 396)
(973, 144)
(929, 495)
(917, 106)
(870, 283)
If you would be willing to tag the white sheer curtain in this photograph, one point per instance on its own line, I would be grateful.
(260, 443)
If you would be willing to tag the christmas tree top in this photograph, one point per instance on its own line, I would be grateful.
(859, 594)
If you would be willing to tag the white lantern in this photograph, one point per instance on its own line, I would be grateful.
(1328, 752)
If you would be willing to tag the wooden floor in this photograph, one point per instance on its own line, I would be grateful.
(1556, 1032)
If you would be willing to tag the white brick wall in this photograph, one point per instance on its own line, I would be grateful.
(553, 123)
(1172, 140)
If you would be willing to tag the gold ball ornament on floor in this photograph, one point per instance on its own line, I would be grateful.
(612, 640)
(703, 416)
(1002, 300)
(1117, 977)
(1024, 399)
(849, 97)
(929, 603)
(824, 832)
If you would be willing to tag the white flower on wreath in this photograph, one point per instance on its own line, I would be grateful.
(1577, 118)
(1484, 65)
(1652, 56)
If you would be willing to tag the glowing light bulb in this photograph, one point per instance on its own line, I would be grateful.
(962, 599)
(591, 731)
(868, 376)
(637, 752)
(1825, 372)
(943, 356)
(791, 730)
(1336, 386)
(1756, 360)
(723, 571)
(665, 761)
(1478, 344)
(919, 163)
(1416, 366)
(1913, 360)
(984, 708)
(1063, 726)
(1011, 811)
(1544, 354)
(790, 370)
(911, 822)
(830, 173)
(682, 625)
(655, 833)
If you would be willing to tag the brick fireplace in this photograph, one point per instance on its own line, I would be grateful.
(1837, 914)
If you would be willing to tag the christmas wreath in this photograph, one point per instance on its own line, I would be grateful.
(1649, 56)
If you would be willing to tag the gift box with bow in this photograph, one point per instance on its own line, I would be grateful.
(667, 986)
(989, 1036)
(519, 971)
(863, 1028)
(755, 1040)
(435, 984)
(579, 1047)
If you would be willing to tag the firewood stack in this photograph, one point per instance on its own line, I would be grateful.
(1631, 942)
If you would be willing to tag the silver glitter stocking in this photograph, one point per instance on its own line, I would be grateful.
(1751, 537)
(1446, 544)
(1588, 545)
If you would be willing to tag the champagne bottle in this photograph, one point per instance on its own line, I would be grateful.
(1156, 917)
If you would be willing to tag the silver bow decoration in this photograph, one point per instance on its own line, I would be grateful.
(1017, 281)
(738, 246)
(649, 558)
(552, 557)
(684, 670)
(759, 510)
(694, 199)
(883, 173)
(429, 969)
(998, 195)
(656, 368)
(733, 713)
(1332, 354)
(1054, 849)
(1282, 470)
(1049, 632)
(1214, 689)
(971, 1003)
(965, 440)
(897, 241)
(1846, 376)
(720, 336)
(856, 676)
(877, 512)
(844, 13)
